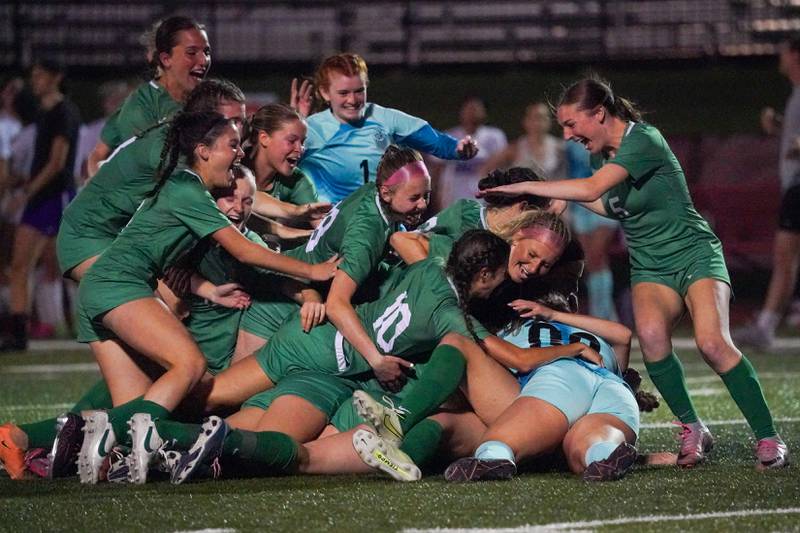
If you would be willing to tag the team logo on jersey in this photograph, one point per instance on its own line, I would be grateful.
(381, 140)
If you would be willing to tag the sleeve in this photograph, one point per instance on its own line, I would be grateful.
(197, 210)
(304, 191)
(442, 223)
(110, 133)
(418, 134)
(640, 154)
(448, 318)
(363, 246)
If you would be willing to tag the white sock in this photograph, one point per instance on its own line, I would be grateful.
(768, 321)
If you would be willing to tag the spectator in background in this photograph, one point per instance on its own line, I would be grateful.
(112, 94)
(537, 149)
(9, 126)
(786, 248)
(454, 180)
(46, 193)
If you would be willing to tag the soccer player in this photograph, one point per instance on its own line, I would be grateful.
(676, 260)
(346, 141)
(119, 316)
(180, 57)
(94, 219)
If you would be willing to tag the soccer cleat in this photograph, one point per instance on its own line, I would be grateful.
(206, 448)
(384, 420)
(66, 445)
(754, 336)
(474, 469)
(37, 462)
(145, 444)
(167, 460)
(614, 467)
(696, 442)
(385, 456)
(771, 453)
(12, 456)
(118, 466)
(98, 440)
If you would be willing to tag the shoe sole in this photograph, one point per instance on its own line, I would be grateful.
(614, 467)
(64, 453)
(472, 469)
(209, 443)
(139, 459)
(366, 408)
(708, 445)
(372, 450)
(89, 461)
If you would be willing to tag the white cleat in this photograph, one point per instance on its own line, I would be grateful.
(98, 441)
(145, 444)
(385, 456)
(384, 420)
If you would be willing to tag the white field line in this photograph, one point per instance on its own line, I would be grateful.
(687, 343)
(647, 519)
(36, 407)
(45, 369)
(708, 391)
(761, 375)
(731, 422)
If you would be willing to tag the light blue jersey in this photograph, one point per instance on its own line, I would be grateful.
(340, 158)
(542, 334)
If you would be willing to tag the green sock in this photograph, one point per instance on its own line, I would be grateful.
(745, 389)
(181, 434)
(97, 397)
(275, 451)
(119, 416)
(669, 379)
(434, 385)
(41, 434)
(422, 441)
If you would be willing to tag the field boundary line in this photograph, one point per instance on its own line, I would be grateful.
(731, 422)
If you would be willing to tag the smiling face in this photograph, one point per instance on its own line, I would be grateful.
(584, 126)
(237, 203)
(408, 200)
(189, 60)
(530, 258)
(283, 147)
(233, 111)
(215, 163)
(347, 96)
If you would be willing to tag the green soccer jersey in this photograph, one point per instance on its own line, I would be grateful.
(445, 228)
(163, 229)
(357, 229)
(213, 326)
(296, 189)
(145, 107)
(664, 232)
(96, 216)
(409, 321)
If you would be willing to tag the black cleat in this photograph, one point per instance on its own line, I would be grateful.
(474, 469)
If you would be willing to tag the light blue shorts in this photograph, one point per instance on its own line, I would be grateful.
(585, 221)
(577, 391)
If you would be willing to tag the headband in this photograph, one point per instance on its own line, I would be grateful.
(544, 235)
(415, 168)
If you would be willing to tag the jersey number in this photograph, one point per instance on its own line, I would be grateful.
(542, 334)
(398, 315)
(365, 167)
(620, 211)
(323, 227)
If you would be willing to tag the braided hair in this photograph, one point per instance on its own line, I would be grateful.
(186, 131)
(475, 250)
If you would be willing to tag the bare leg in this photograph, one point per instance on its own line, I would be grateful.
(247, 343)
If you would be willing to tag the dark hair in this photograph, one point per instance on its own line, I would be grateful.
(185, 133)
(592, 92)
(51, 65)
(162, 37)
(269, 118)
(209, 93)
(392, 160)
(512, 175)
(475, 250)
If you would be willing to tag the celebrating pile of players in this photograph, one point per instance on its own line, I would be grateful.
(264, 295)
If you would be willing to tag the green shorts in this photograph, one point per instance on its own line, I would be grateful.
(711, 266)
(73, 246)
(214, 329)
(325, 392)
(97, 296)
(264, 317)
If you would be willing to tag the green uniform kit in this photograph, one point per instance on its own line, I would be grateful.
(145, 107)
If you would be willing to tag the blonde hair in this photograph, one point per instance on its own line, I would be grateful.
(534, 217)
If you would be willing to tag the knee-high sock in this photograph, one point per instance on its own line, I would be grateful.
(442, 375)
(276, 452)
(669, 379)
(599, 451)
(119, 416)
(745, 389)
(422, 441)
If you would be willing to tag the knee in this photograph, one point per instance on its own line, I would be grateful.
(717, 352)
(194, 367)
(654, 340)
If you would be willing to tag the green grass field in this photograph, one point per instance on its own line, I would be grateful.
(724, 495)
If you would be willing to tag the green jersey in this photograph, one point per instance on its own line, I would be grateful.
(163, 229)
(357, 229)
(96, 216)
(296, 189)
(445, 228)
(213, 326)
(409, 321)
(145, 107)
(663, 230)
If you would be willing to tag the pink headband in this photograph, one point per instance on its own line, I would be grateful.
(544, 235)
(415, 168)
